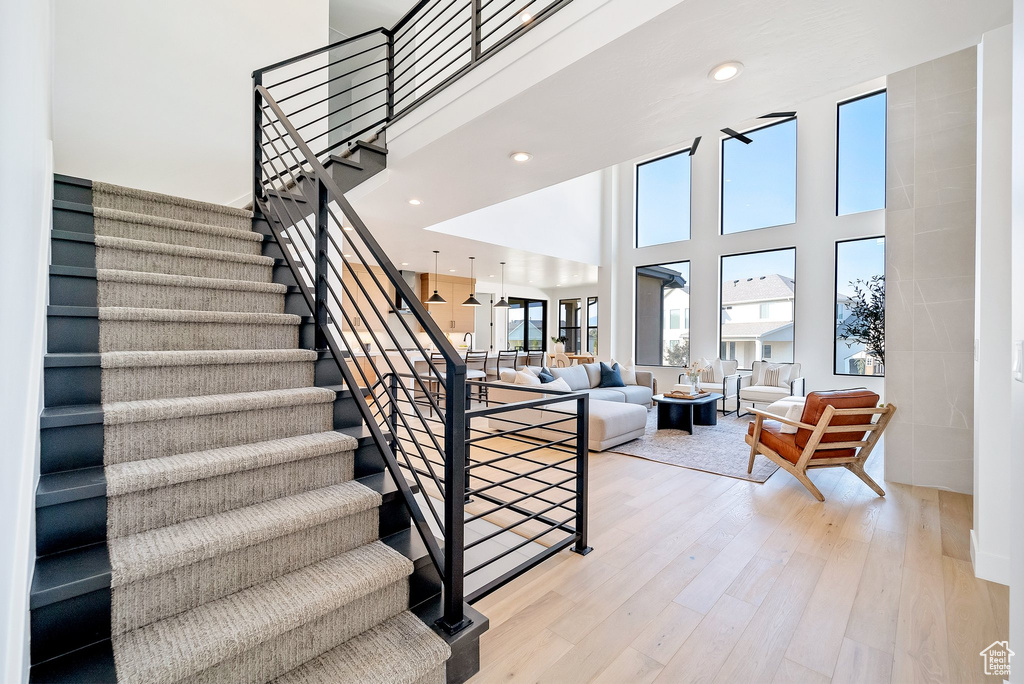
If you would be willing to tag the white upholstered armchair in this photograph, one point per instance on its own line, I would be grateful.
(721, 376)
(769, 382)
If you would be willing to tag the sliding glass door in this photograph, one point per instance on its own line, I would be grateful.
(527, 321)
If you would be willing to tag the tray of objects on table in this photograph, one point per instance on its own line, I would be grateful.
(686, 392)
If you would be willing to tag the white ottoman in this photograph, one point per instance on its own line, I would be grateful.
(612, 423)
(781, 407)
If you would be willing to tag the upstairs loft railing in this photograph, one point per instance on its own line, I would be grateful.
(417, 407)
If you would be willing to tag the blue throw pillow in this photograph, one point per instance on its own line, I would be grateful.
(545, 376)
(610, 377)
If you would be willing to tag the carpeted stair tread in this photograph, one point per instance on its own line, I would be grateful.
(134, 200)
(181, 646)
(134, 476)
(149, 553)
(181, 250)
(126, 224)
(401, 650)
(173, 280)
(131, 313)
(121, 412)
(203, 357)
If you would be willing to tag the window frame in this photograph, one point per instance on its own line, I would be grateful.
(564, 329)
(525, 302)
(796, 177)
(885, 155)
(661, 313)
(721, 308)
(592, 301)
(835, 301)
(636, 199)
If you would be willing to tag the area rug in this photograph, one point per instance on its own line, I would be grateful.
(717, 449)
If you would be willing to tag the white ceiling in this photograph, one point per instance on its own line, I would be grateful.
(648, 90)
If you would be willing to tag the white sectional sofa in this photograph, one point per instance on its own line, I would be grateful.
(617, 414)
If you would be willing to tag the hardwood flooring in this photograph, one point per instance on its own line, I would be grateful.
(700, 578)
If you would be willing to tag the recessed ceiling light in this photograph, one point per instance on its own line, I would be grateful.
(405, 263)
(521, 157)
(525, 17)
(491, 276)
(452, 270)
(726, 71)
(348, 228)
(347, 256)
(415, 202)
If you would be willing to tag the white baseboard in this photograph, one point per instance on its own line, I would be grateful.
(988, 566)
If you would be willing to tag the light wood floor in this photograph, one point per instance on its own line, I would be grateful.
(696, 577)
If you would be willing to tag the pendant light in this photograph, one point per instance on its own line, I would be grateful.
(436, 298)
(472, 301)
(502, 303)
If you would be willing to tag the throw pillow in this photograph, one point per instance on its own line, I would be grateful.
(770, 377)
(628, 374)
(558, 385)
(707, 374)
(545, 376)
(594, 373)
(526, 378)
(507, 374)
(610, 377)
(719, 370)
(795, 412)
(576, 376)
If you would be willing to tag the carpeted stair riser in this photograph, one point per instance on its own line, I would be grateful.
(162, 291)
(154, 598)
(180, 647)
(296, 647)
(157, 335)
(155, 229)
(154, 204)
(133, 441)
(401, 650)
(111, 254)
(436, 676)
(159, 382)
(152, 508)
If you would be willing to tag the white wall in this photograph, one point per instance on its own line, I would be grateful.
(1017, 317)
(990, 538)
(814, 234)
(157, 95)
(26, 167)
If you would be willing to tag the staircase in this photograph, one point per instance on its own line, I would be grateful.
(211, 507)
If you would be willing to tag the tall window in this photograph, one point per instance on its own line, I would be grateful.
(661, 290)
(592, 325)
(860, 307)
(570, 314)
(527, 321)
(759, 179)
(758, 298)
(663, 200)
(860, 154)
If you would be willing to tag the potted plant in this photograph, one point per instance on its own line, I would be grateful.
(559, 344)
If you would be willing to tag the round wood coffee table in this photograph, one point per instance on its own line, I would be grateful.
(683, 414)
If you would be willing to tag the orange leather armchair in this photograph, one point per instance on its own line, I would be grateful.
(836, 429)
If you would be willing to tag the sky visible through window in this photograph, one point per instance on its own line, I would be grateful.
(861, 152)
(759, 179)
(663, 200)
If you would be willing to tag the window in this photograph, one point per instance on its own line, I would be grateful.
(751, 282)
(527, 321)
(660, 289)
(663, 200)
(686, 318)
(860, 154)
(759, 179)
(860, 305)
(592, 325)
(673, 319)
(766, 351)
(569, 316)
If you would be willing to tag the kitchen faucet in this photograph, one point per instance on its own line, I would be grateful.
(468, 339)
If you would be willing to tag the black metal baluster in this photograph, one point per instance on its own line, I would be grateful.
(322, 200)
(582, 453)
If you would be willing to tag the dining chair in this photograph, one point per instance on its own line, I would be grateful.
(508, 359)
(535, 358)
(476, 369)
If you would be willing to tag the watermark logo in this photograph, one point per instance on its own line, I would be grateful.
(997, 659)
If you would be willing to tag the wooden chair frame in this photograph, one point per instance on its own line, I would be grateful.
(854, 464)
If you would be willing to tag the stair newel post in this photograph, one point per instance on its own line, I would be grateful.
(453, 620)
(322, 267)
(257, 151)
(582, 454)
(475, 29)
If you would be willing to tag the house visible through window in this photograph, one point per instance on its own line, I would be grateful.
(860, 155)
(662, 291)
(570, 315)
(758, 297)
(860, 303)
(663, 200)
(759, 179)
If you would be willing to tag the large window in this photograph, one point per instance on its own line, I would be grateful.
(860, 154)
(527, 321)
(759, 179)
(860, 307)
(663, 200)
(592, 325)
(758, 298)
(662, 291)
(570, 314)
